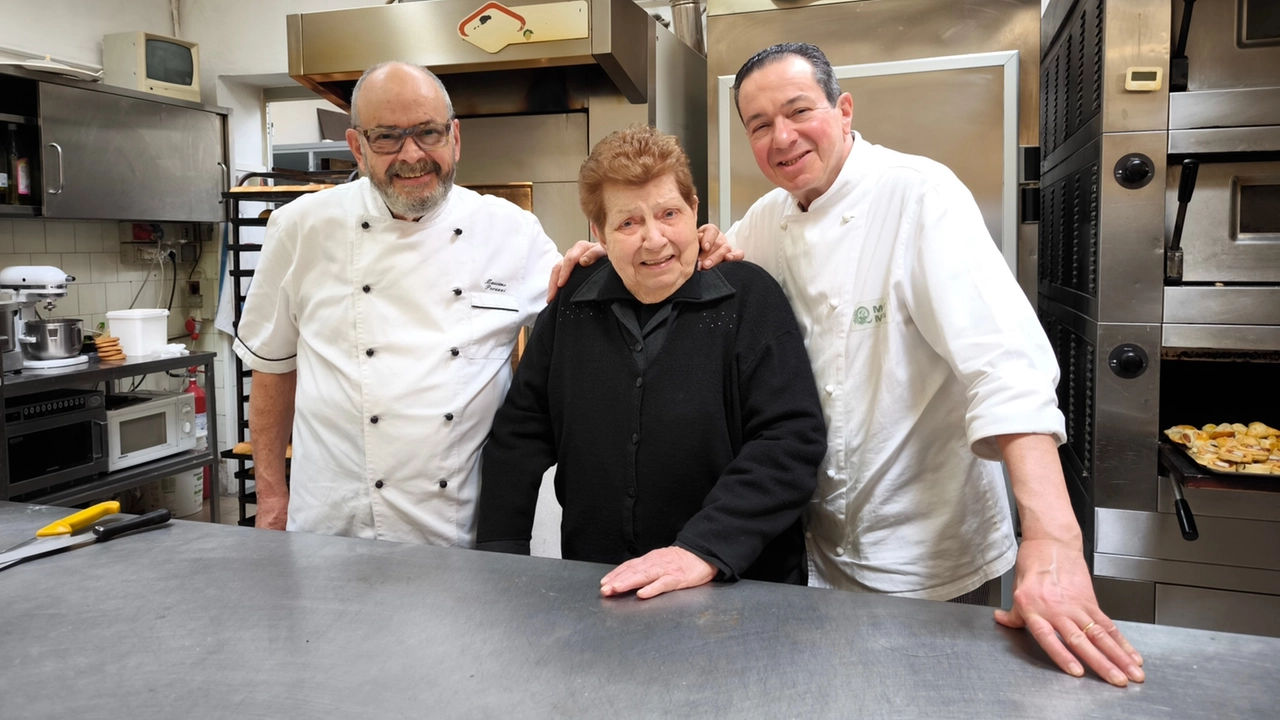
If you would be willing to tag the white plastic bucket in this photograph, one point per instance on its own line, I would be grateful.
(142, 331)
(181, 494)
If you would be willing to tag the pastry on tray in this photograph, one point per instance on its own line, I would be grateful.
(1231, 447)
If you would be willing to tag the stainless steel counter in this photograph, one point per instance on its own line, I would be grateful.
(202, 621)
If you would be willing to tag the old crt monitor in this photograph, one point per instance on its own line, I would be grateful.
(152, 63)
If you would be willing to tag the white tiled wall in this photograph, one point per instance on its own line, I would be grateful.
(90, 251)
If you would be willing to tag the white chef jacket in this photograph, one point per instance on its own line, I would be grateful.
(401, 333)
(924, 348)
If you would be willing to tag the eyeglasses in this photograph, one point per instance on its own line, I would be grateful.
(389, 140)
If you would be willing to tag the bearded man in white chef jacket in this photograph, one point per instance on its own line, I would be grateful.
(931, 367)
(379, 327)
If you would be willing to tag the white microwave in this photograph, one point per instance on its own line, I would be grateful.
(144, 426)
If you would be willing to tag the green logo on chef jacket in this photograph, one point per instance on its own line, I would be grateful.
(871, 313)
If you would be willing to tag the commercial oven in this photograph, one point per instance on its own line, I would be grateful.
(1159, 287)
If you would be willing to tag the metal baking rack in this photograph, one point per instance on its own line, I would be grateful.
(286, 187)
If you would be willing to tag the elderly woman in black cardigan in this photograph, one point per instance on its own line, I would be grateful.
(678, 406)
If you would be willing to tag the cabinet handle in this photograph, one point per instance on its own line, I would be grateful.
(61, 178)
(226, 172)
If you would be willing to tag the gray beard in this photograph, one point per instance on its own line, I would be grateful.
(409, 205)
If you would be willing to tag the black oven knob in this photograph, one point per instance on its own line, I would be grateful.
(1134, 171)
(1128, 361)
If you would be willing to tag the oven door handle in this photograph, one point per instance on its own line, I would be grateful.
(98, 438)
(1186, 521)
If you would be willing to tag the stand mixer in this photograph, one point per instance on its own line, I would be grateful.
(23, 286)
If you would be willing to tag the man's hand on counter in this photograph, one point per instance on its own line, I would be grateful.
(1054, 600)
(272, 513)
(657, 572)
(715, 250)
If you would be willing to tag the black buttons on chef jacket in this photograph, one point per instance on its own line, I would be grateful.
(378, 484)
(457, 291)
(366, 288)
(364, 225)
(453, 351)
(369, 352)
(374, 419)
(444, 484)
(448, 416)
(457, 231)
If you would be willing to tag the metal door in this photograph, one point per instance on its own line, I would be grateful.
(111, 157)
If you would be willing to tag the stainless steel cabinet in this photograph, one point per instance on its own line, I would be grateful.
(112, 157)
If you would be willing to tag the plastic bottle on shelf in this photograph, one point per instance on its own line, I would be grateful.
(19, 171)
(8, 191)
(202, 420)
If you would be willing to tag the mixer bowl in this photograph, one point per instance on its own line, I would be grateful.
(53, 339)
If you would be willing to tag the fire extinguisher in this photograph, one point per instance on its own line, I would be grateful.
(202, 420)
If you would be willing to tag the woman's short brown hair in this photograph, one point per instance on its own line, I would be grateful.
(632, 157)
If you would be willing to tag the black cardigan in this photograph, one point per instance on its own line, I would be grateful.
(714, 448)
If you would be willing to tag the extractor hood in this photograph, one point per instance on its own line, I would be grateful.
(328, 51)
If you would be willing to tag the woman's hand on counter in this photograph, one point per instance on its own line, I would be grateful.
(657, 572)
(1053, 599)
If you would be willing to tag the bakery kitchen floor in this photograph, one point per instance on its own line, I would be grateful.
(228, 510)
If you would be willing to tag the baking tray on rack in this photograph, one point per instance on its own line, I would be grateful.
(1194, 475)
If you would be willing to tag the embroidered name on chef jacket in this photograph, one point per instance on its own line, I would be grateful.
(492, 285)
(870, 313)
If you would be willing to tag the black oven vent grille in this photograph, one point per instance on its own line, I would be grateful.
(1071, 77)
(1076, 362)
(1068, 230)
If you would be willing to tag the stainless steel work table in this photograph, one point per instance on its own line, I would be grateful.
(205, 621)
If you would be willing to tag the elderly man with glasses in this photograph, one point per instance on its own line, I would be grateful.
(379, 328)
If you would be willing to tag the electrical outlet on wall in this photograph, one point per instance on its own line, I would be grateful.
(140, 254)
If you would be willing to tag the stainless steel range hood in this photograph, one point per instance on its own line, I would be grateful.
(328, 51)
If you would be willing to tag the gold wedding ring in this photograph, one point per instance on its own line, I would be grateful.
(1085, 629)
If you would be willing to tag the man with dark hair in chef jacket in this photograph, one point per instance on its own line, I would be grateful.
(380, 325)
(931, 367)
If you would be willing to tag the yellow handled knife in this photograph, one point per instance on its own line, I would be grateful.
(77, 521)
(75, 536)
(59, 533)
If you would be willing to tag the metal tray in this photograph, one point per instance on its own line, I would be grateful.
(1175, 459)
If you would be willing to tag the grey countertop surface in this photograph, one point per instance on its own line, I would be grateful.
(206, 621)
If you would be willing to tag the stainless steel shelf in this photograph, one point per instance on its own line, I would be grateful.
(130, 478)
(19, 211)
(18, 119)
(33, 381)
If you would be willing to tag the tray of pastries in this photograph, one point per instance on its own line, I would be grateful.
(1231, 448)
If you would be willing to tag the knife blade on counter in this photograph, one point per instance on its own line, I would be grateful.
(70, 532)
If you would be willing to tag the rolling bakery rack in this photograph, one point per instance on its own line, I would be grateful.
(274, 189)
